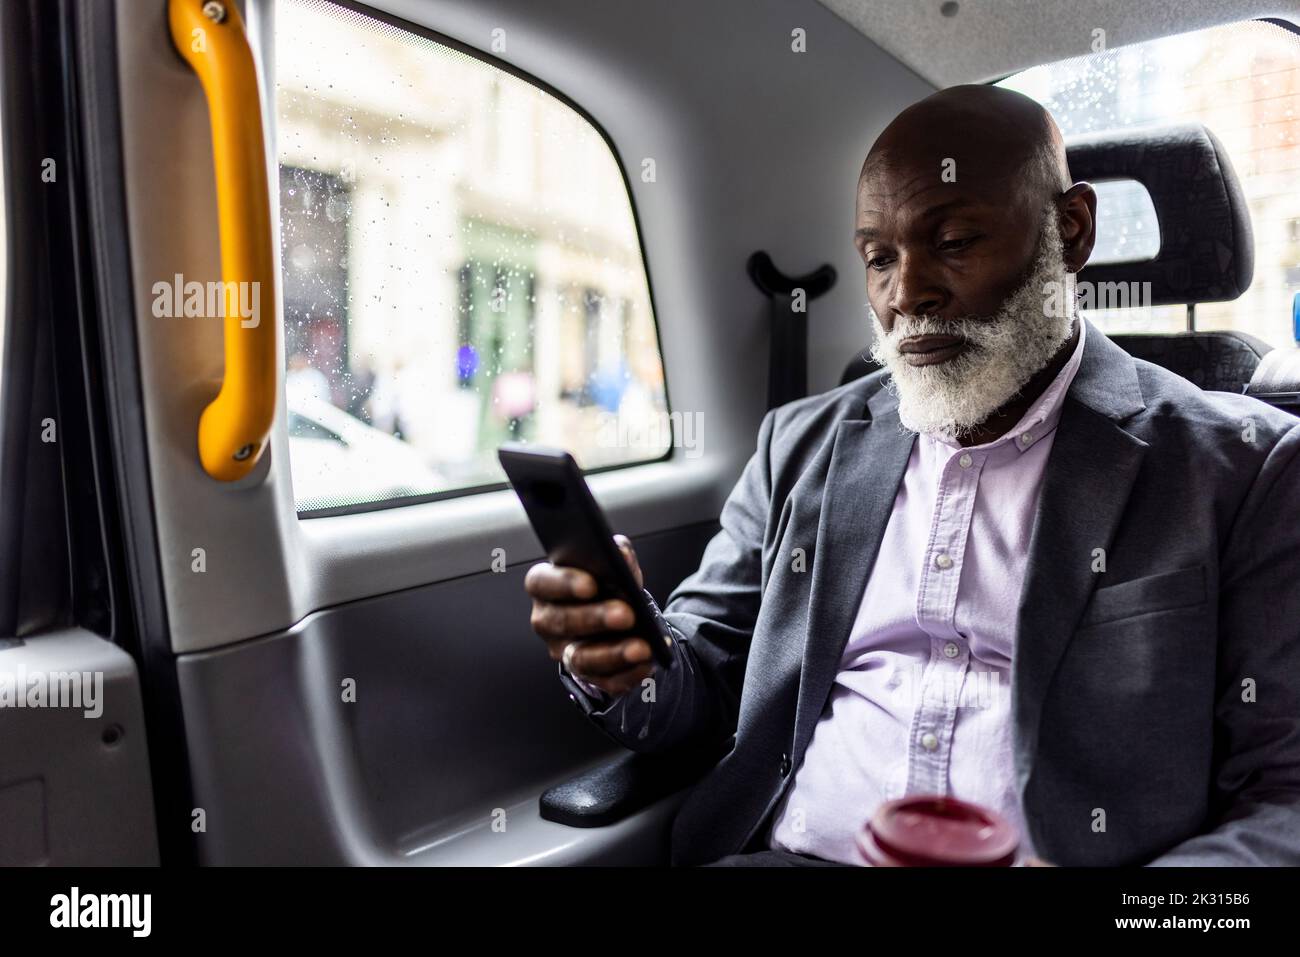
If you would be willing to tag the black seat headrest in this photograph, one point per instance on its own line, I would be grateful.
(1207, 251)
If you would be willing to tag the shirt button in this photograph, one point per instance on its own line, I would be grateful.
(965, 460)
(929, 741)
(785, 765)
(1025, 439)
(951, 650)
(942, 560)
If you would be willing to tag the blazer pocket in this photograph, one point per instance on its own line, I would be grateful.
(1141, 596)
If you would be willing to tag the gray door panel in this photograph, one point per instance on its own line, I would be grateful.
(74, 778)
(457, 722)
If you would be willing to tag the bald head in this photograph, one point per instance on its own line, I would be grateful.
(986, 131)
(952, 196)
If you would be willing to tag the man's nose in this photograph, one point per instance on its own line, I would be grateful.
(915, 292)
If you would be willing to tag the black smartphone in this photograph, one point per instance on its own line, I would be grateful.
(573, 531)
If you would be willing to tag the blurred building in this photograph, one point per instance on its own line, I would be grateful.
(1240, 80)
(459, 252)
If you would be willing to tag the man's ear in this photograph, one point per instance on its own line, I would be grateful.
(1078, 208)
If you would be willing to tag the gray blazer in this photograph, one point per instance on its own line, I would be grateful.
(1156, 704)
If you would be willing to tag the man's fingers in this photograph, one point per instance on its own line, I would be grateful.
(552, 620)
(601, 659)
(565, 613)
(629, 554)
(548, 582)
(624, 682)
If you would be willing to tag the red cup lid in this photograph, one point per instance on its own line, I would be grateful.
(933, 830)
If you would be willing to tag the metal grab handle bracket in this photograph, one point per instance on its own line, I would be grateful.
(209, 35)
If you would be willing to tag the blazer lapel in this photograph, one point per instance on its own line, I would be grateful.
(866, 467)
(1089, 476)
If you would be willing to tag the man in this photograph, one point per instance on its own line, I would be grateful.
(1016, 565)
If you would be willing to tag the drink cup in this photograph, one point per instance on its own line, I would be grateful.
(937, 831)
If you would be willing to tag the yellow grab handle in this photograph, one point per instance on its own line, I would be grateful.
(233, 429)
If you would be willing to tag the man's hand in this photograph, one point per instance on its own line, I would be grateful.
(566, 613)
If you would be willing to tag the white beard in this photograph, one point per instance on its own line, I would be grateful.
(1002, 354)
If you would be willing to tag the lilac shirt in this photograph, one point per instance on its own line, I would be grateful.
(922, 701)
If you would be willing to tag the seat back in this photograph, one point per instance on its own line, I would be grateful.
(1216, 361)
(1277, 380)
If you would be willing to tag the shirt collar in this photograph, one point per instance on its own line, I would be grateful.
(1043, 415)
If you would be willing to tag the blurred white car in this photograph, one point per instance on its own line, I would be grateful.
(338, 460)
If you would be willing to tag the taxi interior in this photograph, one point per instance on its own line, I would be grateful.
(475, 222)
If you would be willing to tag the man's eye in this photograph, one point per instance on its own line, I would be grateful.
(879, 262)
(949, 245)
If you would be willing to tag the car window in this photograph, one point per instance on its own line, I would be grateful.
(1242, 81)
(461, 267)
(301, 427)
